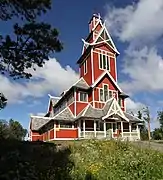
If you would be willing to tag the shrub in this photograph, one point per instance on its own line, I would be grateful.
(116, 161)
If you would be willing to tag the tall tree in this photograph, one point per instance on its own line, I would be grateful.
(16, 130)
(143, 129)
(3, 101)
(12, 130)
(147, 118)
(160, 118)
(31, 42)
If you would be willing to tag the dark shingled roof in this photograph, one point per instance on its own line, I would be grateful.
(81, 84)
(132, 118)
(64, 115)
(38, 122)
(92, 112)
(89, 112)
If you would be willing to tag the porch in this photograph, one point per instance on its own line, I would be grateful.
(108, 129)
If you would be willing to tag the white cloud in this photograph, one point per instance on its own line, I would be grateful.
(139, 21)
(133, 106)
(145, 69)
(140, 25)
(52, 78)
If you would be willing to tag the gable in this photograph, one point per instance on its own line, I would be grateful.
(104, 37)
(106, 78)
(115, 109)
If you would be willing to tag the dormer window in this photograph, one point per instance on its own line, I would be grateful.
(83, 97)
(104, 62)
(85, 67)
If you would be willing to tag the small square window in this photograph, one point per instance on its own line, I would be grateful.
(85, 67)
(83, 97)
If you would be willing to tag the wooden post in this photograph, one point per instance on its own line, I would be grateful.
(54, 129)
(79, 128)
(112, 130)
(149, 131)
(122, 128)
(130, 130)
(84, 128)
(138, 132)
(95, 128)
(104, 128)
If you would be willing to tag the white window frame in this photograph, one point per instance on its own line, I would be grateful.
(80, 94)
(107, 62)
(121, 102)
(85, 67)
(104, 91)
(112, 91)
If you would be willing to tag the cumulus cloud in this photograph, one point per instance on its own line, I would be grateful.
(133, 106)
(145, 69)
(52, 78)
(142, 20)
(140, 25)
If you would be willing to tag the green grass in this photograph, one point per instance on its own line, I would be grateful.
(79, 160)
(115, 160)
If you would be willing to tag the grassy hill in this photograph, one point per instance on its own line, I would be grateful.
(78, 160)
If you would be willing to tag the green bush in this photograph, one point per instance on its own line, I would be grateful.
(33, 161)
(80, 160)
(114, 160)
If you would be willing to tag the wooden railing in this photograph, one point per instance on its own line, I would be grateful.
(101, 134)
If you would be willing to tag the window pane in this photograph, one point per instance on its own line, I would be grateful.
(104, 62)
(105, 92)
(101, 95)
(83, 96)
(100, 60)
(108, 63)
(110, 94)
(85, 67)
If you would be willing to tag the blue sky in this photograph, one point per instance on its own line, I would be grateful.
(140, 64)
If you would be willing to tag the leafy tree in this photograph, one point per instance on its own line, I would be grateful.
(31, 42)
(12, 130)
(143, 128)
(147, 119)
(160, 118)
(16, 130)
(158, 132)
(3, 101)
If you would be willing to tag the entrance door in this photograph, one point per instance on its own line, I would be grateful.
(108, 130)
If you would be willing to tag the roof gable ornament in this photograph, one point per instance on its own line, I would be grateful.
(104, 37)
(115, 109)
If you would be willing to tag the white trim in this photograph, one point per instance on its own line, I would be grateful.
(84, 127)
(70, 111)
(110, 39)
(85, 109)
(54, 129)
(75, 103)
(98, 50)
(63, 139)
(40, 117)
(102, 75)
(98, 22)
(92, 65)
(85, 67)
(116, 110)
(107, 61)
(102, 29)
(93, 97)
(94, 128)
(115, 61)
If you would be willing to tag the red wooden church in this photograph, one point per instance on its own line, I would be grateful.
(94, 106)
